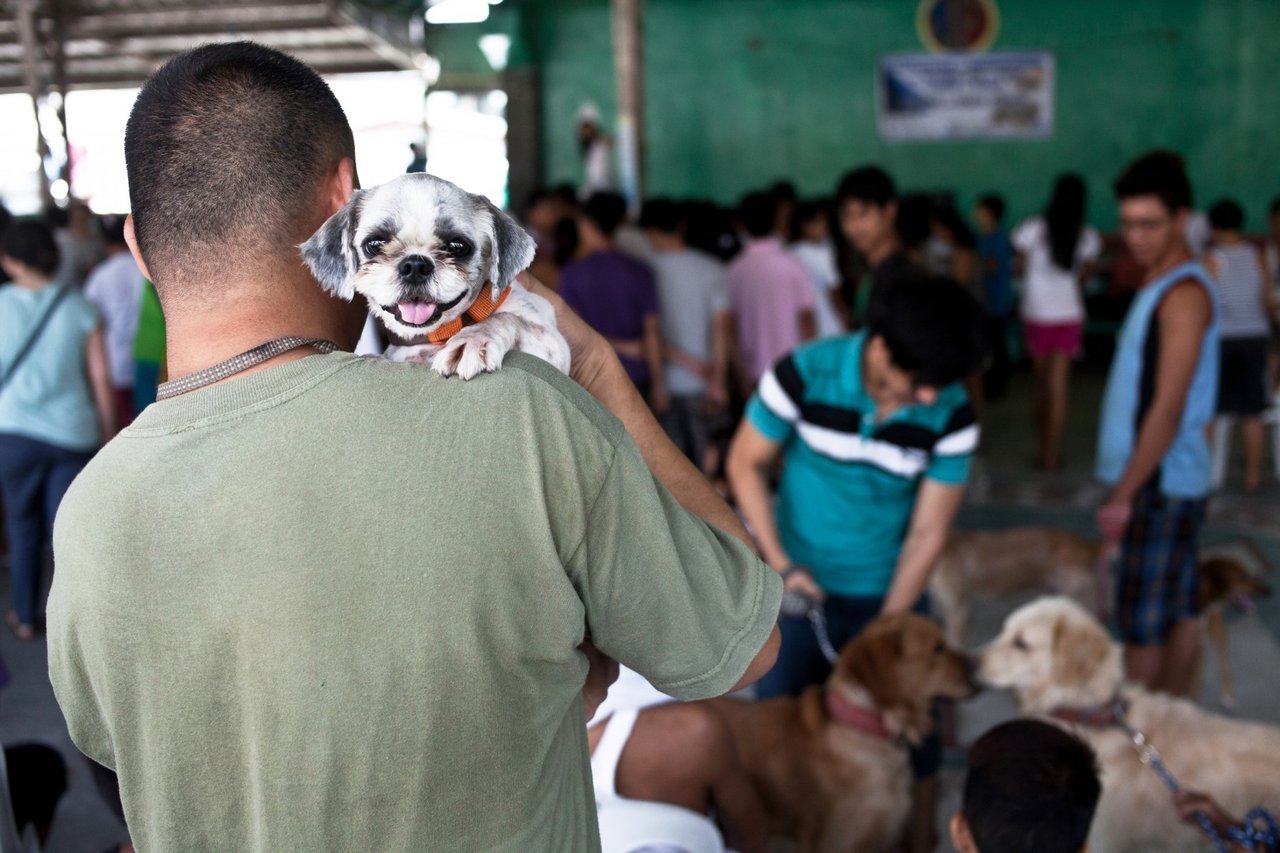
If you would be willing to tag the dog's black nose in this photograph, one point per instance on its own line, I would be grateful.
(416, 268)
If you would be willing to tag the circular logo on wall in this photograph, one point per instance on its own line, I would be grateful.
(957, 25)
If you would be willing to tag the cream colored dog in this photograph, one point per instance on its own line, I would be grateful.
(1059, 661)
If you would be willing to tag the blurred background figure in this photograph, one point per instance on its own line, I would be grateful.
(1056, 251)
(115, 289)
(56, 404)
(995, 272)
(1244, 294)
(419, 161)
(811, 244)
(596, 149)
(79, 245)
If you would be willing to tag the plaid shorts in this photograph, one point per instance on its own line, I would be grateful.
(1158, 581)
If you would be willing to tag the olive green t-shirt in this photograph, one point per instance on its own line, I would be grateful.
(336, 605)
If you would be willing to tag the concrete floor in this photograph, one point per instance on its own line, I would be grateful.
(1005, 491)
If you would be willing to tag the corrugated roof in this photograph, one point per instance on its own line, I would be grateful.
(108, 43)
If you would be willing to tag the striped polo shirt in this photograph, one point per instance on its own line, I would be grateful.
(848, 483)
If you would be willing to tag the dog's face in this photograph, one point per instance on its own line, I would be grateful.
(1225, 579)
(904, 663)
(419, 249)
(1052, 653)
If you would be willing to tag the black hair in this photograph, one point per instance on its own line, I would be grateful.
(606, 209)
(567, 194)
(226, 148)
(759, 213)
(1064, 218)
(31, 242)
(784, 191)
(1162, 174)
(537, 196)
(1275, 206)
(805, 212)
(1226, 215)
(709, 227)
(868, 184)
(994, 205)
(661, 214)
(111, 227)
(949, 218)
(932, 327)
(914, 221)
(1031, 788)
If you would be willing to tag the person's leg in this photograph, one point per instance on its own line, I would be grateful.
(23, 468)
(799, 664)
(1253, 435)
(1183, 641)
(683, 754)
(1141, 596)
(1181, 648)
(37, 780)
(1058, 378)
(1040, 404)
(64, 466)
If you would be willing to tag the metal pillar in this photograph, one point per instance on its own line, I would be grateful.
(31, 71)
(628, 70)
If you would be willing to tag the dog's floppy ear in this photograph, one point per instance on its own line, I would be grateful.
(1080, 654)
(330, 253)
(872, 659)
(513, 249)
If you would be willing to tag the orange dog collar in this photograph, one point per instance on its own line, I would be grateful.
(481, 309)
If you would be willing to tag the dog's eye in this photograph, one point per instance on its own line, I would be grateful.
(1020, 644)
(373, 246)
(457, 248)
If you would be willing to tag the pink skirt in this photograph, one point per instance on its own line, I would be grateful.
(1046, 338)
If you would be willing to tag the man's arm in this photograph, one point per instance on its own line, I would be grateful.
(104, 400)
(935, 509)
(1183, 315)
(653, 357)
(721, 349)
(808, 325)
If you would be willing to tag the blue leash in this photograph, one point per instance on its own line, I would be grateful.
(1259, 825)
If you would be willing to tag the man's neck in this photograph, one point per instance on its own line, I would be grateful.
(198, 336)
(881, 252)
(1177, 255)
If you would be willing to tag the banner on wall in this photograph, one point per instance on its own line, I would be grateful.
(965, 96)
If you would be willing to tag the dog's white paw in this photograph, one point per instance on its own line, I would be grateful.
(472, 351)
(416, 353)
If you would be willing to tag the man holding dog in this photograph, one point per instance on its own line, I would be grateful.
(332, 603)
(1152, 449)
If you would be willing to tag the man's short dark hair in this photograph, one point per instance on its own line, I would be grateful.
(932, 327)
(1226, 215)
(869, 184)
(1275, 206)
(662, 215)
(1031, 788)
(759, 213)
(31, 242)
(607, 210)
(226, 148)
(993, 204)
(1159, 173)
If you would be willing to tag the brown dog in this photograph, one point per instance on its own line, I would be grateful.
(832, 766)
(986, 563)
(1224, 580)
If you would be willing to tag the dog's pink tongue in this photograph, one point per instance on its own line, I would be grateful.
(417, 313)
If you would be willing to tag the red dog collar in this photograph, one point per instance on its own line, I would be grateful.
(481, 309)
(855, 716)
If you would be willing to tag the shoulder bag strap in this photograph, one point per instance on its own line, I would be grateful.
(30, 342)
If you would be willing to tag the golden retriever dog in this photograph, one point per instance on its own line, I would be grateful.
(988, 563)
(1059, 661)
(831, 766)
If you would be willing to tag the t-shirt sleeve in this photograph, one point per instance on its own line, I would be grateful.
(720, 293)
(952, 453)
(1090, 246)
(1025, 236)
(681, 602)
(774, 408)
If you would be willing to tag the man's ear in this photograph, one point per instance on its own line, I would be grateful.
(131, 238)
(330, 253)
(513, 249)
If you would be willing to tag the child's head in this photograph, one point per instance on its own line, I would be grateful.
(1155, 201)
(811, 221)
(989, 213)
(1226, 216)
(867, 208)
(1031, 788)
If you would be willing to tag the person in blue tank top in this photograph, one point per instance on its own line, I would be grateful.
(1152, 447)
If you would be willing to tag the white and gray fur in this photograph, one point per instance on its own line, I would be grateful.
(421, 239)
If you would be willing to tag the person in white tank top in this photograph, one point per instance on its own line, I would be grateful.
(1244, 290)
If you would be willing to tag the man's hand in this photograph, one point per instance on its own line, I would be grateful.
(1113, 518)
(1188, 803)
(801, 581)
(601, 673)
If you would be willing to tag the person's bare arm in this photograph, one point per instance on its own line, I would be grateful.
(1183, 315)
(808, 325)
(935, 510)
(653, 348)
(100, 383)
(721, 358)
(963, 262)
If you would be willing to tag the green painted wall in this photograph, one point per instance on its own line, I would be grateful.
(742, 92)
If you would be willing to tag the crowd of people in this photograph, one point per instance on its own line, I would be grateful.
(818, 360)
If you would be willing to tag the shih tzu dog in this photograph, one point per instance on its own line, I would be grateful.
(437, 263)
